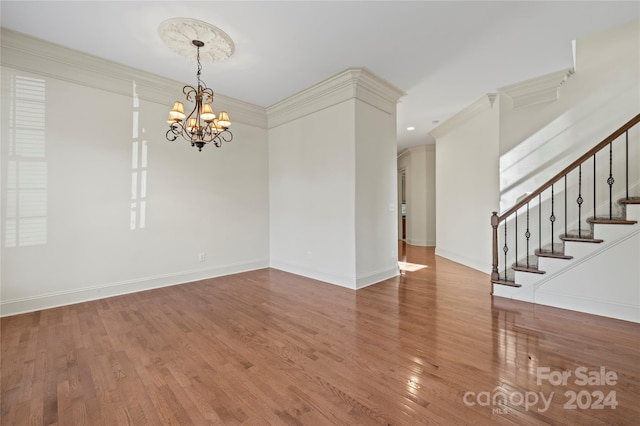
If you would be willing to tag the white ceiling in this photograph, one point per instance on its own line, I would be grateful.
(444, 55)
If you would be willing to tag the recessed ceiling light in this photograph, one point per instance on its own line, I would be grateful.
(410, 128)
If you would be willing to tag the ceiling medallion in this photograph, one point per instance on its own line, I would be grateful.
(178, 34)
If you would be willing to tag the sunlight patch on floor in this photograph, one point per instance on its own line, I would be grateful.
(410, 267)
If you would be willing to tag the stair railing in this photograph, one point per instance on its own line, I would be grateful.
(558, 183)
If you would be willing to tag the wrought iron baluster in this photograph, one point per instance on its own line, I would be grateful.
(594, 185)
(565, 205)
(626, 156)
(579, 200)
(540, 222)
(552, 218)
(527, 235)
(516, 235)
(505, 249)
(611, 181)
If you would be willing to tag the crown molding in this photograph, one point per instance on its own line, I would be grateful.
(537, 90)
(36, 56)
(484, 103)
(352, 83)
(418, 148)
(423, 147)
(403, 153)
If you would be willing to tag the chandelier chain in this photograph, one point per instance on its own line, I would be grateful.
(199, 65)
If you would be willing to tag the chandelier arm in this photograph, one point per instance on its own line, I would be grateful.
(172, 134)
(207, 95)
(226, 135)
(190, 93)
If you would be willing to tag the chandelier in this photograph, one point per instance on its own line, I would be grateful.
(201, 126)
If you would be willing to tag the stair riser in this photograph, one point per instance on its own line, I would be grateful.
(527, 278)
(551, 265)
(517, 293)
(633, 212)
(578, 249)
(612, 232)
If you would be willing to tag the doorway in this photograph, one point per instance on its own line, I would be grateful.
(402, 178)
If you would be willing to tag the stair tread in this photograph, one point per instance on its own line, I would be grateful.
(581, 239)
(584, 237)
(555, 254)
(507, 282)
(531, 269)
(612, 221)
(630, 200)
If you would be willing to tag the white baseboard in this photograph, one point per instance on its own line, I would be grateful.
(377, 277)
(589, 306)
(421, 243)
(63, 298)
(342, 281)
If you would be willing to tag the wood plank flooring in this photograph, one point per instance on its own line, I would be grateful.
(268, 347)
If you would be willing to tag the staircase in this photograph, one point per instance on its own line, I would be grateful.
(558, 245)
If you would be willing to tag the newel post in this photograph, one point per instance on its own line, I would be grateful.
(494, 266)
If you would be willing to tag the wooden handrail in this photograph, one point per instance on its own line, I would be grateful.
(496, 219)
(629, 124)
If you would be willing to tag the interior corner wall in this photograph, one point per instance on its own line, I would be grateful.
(376, 195)
(312, 195)
(467, 188)
(96, 202)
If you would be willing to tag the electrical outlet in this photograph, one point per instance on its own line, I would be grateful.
(202, 257)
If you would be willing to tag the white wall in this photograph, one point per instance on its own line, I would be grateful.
(312, 195)
(467, 183)
(332, 180)
(90, 237)
(376, 195)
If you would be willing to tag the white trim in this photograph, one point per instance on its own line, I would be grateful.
(421, 243)
(28, 54)
(63, 298)
(376, 277)
(589, 305)
(422, 148)
(342, 281)
(352, 83)
(403, 153)
(537, 90)
(484, 103)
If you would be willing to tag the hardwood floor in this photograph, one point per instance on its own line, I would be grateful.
(268, 347)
